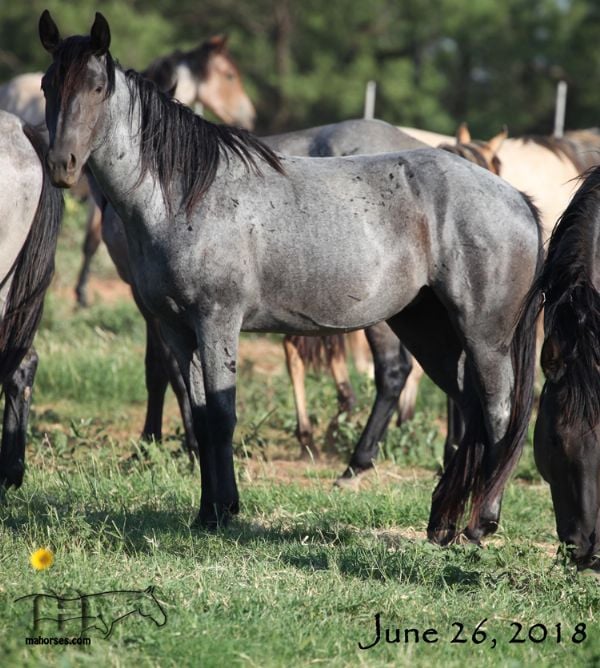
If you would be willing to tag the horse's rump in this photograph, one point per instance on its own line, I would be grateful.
(32, 271)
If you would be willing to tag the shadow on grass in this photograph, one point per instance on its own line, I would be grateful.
(351, 552)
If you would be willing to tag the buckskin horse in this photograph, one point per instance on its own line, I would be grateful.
(224, 235)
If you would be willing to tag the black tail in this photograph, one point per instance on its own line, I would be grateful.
(466, 476)
(32, 271)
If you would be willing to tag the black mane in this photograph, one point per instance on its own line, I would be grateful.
(180, 148)
(572, 305)
(563, 147)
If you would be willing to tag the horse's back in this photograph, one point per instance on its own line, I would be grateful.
(427, 137)
(352, 137)
(545, 175)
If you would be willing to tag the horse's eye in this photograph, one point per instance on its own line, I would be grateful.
(98, 89)
(230, 76)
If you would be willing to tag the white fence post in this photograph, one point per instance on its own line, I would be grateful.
(561, 105)
(370, 99)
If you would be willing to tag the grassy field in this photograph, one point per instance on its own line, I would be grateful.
(299, 577)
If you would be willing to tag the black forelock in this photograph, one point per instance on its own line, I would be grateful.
(70, 61)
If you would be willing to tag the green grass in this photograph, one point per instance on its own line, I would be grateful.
(298, 577)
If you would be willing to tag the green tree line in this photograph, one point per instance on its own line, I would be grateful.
(306, 62)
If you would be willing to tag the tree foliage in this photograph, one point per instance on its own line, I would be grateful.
(306, 62)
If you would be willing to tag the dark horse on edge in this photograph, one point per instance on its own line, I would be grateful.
(567, 431)
(225, 235)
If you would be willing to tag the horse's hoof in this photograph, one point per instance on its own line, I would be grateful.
(215, 516)
(12, 478)
(442, 536)
(350, 479)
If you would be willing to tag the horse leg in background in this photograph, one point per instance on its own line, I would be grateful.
(408, 396)
(359, 348)
(296, 370)
(93, 237)
(392, 366)
(336, 357)
(17, 400)
(161, 369)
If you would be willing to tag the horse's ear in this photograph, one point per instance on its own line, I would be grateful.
(496, 142)
(49, 35)
(100, 34)
(552, 361)
(463, 136)
(218, 42)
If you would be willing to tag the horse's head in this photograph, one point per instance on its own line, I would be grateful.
(483, 153)
(76, 86)
(567, 452)
(151, 607)
(215, 78)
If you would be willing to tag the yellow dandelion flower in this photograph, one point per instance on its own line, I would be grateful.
(42, 559)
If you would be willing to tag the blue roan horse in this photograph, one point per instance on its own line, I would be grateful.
(568, 424)
(224, 236)
(30, 216)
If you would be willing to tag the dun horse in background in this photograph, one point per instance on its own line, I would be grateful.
(567, 431)
(225, 236)
(30, 216)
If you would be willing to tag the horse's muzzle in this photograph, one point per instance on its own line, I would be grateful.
(64, 169)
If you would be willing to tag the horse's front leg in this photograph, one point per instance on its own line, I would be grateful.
(17, 397)
(213, 406)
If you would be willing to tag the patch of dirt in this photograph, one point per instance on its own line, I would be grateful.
(100, 291)
(264, 355)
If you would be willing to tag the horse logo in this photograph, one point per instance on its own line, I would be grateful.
(101, 611)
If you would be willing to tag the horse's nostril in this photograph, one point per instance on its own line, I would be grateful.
(72, 162)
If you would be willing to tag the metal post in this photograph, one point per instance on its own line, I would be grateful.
(370, 99)
(561, 105)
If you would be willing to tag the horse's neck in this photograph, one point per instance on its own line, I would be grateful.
(116, 163)
(187, 89)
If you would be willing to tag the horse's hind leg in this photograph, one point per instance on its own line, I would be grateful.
(162, 368)
(157, 381)
(359, 347)
(93, 237)
(336, 355)
(495, 377)
(296, 370)
(408, 397)
(336, 358)
(17, 398)
(392, 366)
(487, 407)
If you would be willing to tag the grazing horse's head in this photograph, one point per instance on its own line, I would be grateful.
(567, 431)
(76, 86)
